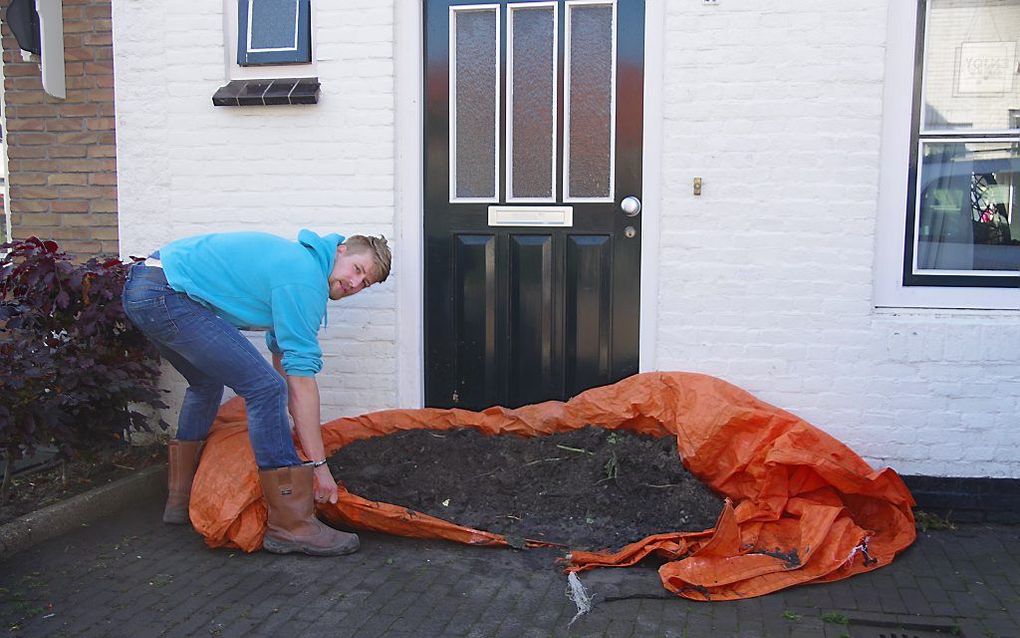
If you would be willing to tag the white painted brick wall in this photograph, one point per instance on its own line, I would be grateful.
(766, 280)
(187, 167)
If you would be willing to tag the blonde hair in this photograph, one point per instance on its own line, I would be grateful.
(377, 247)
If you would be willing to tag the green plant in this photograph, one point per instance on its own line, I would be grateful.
(612, 468)
(73, 369)
(835, 618)
(161, 580)
(791, 615)
(927, 520)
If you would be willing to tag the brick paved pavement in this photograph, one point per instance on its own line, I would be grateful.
(130, 575)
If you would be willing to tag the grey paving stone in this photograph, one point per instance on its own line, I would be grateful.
(750, 619)
(101, 630)
(724, 619)
(1000, 628)
(326, 624)
(436, 621)
(278, 623)
(915, 602)
(98, 586)
(553, 616)
(811, 626)
(932, 590)
(678, 618)
(465, 618)
(484, 629)
(623, 627)
(944, 609)
(646, 621)
(594, 623)
(377, 625)
(891, 601)
(985, 597)
(535, 632)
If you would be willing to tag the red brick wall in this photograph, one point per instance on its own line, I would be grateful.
(62, 165)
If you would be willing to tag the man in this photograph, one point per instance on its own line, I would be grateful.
(193, 296)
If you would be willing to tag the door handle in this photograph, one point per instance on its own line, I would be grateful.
(630, 206)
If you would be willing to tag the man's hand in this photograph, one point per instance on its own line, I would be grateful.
(325, 487)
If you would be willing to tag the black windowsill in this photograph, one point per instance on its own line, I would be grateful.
(268, 92)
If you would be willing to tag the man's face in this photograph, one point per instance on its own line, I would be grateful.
(351, 273)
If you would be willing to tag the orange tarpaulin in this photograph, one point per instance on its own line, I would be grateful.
(801, 506)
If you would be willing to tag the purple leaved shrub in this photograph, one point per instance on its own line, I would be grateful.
(73, 369)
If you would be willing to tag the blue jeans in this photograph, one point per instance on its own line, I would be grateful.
(211, 353)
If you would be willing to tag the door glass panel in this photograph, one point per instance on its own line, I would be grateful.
(970, 64)
(532, 102)
(969, 207)
(474, 88)
(590, 101)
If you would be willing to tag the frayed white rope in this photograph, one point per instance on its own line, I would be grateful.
(577, 593)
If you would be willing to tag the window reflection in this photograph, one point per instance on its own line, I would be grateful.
(969, 206)
(970, 65)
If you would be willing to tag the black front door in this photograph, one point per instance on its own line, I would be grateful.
(533, 124)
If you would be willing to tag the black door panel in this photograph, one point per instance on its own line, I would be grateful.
(474, 325)
(588, 312)
(532, 352)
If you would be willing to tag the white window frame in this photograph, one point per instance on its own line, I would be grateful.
(234, 71)
(890, 229)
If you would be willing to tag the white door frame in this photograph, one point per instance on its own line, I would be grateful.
(409, 152)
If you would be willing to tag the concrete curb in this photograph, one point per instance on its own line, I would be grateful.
(59, 518)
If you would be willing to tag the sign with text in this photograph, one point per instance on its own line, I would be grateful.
(986, 67)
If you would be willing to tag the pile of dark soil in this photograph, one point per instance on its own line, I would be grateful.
(35, 490)
(587, 489)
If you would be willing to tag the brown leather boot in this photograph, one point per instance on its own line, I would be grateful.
(292, 523)
(180, 474)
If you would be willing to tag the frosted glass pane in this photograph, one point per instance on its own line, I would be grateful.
(591, 93)
(475, 103)
(273, 24)
(970, 65)
(533, 95)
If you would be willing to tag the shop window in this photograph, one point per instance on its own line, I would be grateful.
(963, 206)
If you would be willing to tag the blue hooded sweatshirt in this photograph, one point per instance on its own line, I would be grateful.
(258, 281)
